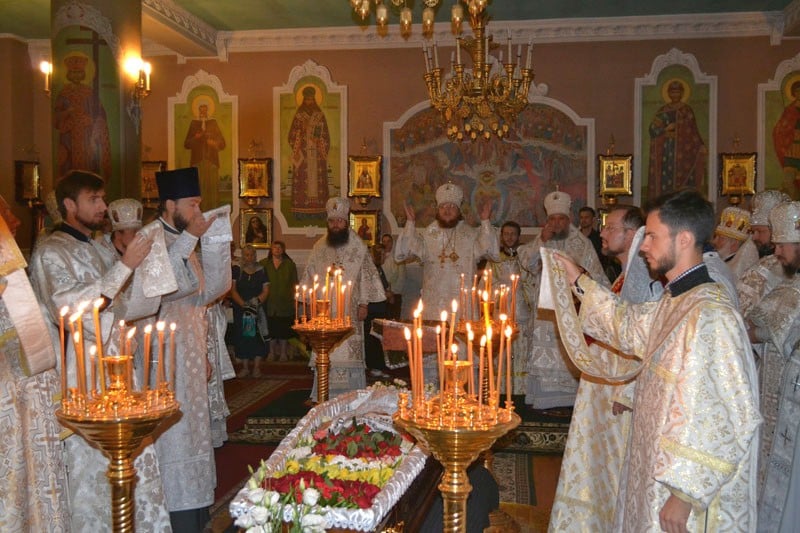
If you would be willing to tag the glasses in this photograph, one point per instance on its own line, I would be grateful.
(612, 229)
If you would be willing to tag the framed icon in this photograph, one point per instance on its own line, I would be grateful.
(255, 176)
(26, 181)
(738, 173)
(364, 176)
(615, 174)
(367, 225)
(149, 187)
(256, 227)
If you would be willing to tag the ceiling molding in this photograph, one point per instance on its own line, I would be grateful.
(751, 24)
(170, 25)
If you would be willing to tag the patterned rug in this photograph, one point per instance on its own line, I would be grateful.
(514, 475)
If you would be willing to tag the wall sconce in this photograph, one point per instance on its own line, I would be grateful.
(140, 70)
(47, 69)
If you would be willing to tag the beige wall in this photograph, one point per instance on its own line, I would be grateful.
(595, 79)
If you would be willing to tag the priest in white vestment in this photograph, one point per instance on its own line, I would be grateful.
(342, 248)
(448, 248)
(691, 461)
(33, 481)
(69, 267)
(551, 380)
(185, 450)
(775, 321)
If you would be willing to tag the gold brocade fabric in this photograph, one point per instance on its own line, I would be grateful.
(694, 428)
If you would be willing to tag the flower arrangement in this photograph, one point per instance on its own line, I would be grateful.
(331, 471)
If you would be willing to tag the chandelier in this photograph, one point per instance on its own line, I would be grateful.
(476, 103)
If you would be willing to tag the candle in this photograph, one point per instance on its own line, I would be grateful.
(98, 333)
(454, 307)
(519, 54)
(62, 344)
(509, 331)
(480, 371)
(121, 337)
(305, 307)
(489, 362)
(530, 54)
(514, 281)
(148, 329)
(296, 297)
(160, 370)
(411, 373)
(508, 38)
(172, 354)
(80, 372)
(80, 348)
(470, 339)
(439, 344)
(458, 51)
(93, 367)
(128, 341)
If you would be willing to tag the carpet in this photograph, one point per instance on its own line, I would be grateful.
(514, 475)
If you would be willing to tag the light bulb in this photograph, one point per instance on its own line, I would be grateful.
(363, 10)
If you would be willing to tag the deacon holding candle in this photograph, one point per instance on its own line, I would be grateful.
(342, 248)
(70, 267)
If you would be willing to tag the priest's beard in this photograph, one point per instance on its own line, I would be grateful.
(561, 235)
(664, 264)
(447, 224)
(338, 237)
(765, 249)
(180, 222)
(93, 225)
(791, 269)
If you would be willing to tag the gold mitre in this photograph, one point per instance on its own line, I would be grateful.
(734, 223)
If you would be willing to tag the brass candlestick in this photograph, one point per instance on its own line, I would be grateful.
(456, 448)
(117, 422)
(323, 333)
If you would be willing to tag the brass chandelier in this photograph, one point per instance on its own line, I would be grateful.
(476, 103)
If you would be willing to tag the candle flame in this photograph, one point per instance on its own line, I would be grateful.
(454, 305)
(92, 350)
(76, 337)
(132, 332)
(172, 326)
(74, 316)
(407, 333)
(419, 333)
(489, 332)
(483, 341)
(64, 311)
(454, 348)
(160, 325)
(98, 303)
(82, 307)
(503, 317)
(148, 328)
(470, 335)
(444, 316)
(485, 296)
(509, 331)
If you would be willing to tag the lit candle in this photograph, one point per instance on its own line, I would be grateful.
(148, 329)
(514, 281)
(454, 307)
(411, 373)
(129, 341)
(418, 361)
(509, 331)
(160, 370)
(296, 297)
(98, 333)
(80, 348)
(121, 337)
(62, 313)
(439, 343)
(172, 354)
(480, 371)
(305, 307)
(470, 339)
(489, 362)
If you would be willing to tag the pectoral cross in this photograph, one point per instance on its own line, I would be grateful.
(453, 256)
(557, 268)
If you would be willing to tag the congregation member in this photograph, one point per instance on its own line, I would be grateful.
(598, 432)
(396, 276)
(33, 481)
(249, 290)
(776, 321)
(69, 267)
(691, 460)
(341, 248)
(502, 270)
(448, 248)
(732, 241)
(550, 381)
(185, 450)
(282, 276)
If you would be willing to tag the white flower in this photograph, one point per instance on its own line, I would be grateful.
(259, 514)
(310, 496)
(299, 452)
(271, 498)
(313, 523)
(256, 495)
(257, 529)
(245, 521)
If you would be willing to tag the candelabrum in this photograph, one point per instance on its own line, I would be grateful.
(323, 332)
(455, 428)
(117, 421)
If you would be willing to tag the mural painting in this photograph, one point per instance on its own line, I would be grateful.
(549, 150)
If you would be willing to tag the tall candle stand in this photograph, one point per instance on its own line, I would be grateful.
(455, 428)
(323, 332)
(117, 421)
